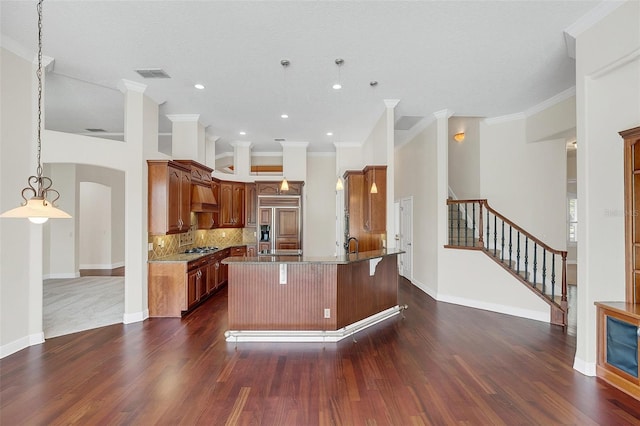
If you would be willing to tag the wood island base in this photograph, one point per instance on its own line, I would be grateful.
(300, 299)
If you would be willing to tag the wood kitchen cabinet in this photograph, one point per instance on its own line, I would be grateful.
(175, 288)
(375, 204)
(252, 250)
(232, 204)
(273, 188)
(362, 211)
(250, 204)
(169, 203)
(287, 228)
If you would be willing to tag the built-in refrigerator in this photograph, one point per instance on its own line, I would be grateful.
(279, 225)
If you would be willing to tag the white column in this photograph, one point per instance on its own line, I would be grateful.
(188, 137)
(210, 150)
(241, 158)
(137, 132)
(390, 105)
(294, 160)
(442, 189)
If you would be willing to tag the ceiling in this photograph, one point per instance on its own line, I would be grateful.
(475, 58)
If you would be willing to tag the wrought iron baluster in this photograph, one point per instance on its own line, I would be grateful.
(495, 234)
(458, 225)
(518, 254)
(466, 227)
(544, 270)
(488, 234)
(553, 276)
(450, 223)
(473, 224)
(535, 262)
(526, 256)
(502, 243)
(510, 246)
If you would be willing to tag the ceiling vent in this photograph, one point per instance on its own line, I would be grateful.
(153, 73)
(95, 130)
(279, 139)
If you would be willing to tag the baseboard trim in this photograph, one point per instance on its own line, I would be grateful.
(21, 343)
(584, 367)
(494, 307)
(102, 265)
(63, 276)
(135, 317)
(319, 336)
(425, 289)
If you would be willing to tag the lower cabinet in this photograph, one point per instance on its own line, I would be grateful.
(618, 341)
(175, 288)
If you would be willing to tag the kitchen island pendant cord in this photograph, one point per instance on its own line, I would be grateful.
(374, 188)
(37, 208)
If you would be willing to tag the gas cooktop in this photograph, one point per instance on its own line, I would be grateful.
(201, 249)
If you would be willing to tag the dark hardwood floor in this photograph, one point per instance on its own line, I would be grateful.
(442, 364)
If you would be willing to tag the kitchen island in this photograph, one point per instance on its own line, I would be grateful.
(300, 298)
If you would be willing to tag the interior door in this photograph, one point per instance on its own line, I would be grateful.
(405, 237)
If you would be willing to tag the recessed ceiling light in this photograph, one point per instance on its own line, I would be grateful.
(243, 133)
(373, 83)
(284, 116)
(329, 133)
(337, 86)
(199, 86)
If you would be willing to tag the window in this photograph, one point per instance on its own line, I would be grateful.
(572, 217)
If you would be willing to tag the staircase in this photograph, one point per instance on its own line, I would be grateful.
(474, 225)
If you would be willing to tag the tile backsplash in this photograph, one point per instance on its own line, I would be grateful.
(166, 245)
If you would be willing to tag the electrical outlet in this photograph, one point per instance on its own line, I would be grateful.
(327, 313)
(224, 234)
(150, 246)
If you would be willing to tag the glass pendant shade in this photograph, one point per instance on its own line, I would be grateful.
(37, 210)
(284, 186)
(374, 188)
(339, 185)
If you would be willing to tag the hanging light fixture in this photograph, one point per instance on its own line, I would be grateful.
(284, 185)
(338, 84)
(38, 208)
(339, 184)
(285, 63)
(374, 187)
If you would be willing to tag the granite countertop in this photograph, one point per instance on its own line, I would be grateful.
(343, 259)
(190, 257)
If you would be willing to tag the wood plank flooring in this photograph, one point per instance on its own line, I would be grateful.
(442, 364)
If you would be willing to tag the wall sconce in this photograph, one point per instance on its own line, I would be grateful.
(459, 137)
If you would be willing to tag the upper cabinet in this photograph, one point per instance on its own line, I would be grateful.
(273, 188)
(375, 199)
(250, 204)
(232, 204)
(169, 203)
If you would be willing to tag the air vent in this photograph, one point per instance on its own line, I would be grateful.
(279, 139)
(95, 130)
(153, 73)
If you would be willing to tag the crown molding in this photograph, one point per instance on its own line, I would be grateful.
(556, 99)
(391, 103)
(443, 113)
(347, 144)
(186, 118)
(505, 118)
(292, 144)
(595, 15)
(127, 85)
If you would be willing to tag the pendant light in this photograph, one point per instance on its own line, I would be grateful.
(284, 185)
(38, 208)
(338, 84)
(374, 188)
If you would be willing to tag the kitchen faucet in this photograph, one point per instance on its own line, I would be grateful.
(349, 245)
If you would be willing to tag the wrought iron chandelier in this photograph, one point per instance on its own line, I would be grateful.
(38, 208)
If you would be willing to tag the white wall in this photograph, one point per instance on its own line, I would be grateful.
(18, 277)
(320, 205)
(416, 175)
(526, 182)
(374, 147)
(95, 226)
(464, 158)
(608, 93)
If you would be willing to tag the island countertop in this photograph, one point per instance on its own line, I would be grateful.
(339, 260)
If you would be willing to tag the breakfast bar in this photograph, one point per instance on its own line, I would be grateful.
(298, 298)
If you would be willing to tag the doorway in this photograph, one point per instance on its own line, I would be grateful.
(405, 237)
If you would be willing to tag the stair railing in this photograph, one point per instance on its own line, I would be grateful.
(528, 258)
